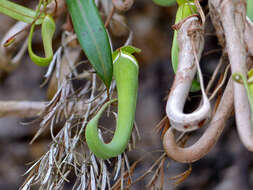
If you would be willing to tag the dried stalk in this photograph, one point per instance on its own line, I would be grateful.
(21, 108)
(184, 76)
(34, 109)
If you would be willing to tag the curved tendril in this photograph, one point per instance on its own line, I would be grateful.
(123, 5)
(183, 80)
(47, 32)
(208, 139)
(125, 69)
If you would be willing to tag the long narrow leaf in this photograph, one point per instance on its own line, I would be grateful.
(92, 36)
(18, 12)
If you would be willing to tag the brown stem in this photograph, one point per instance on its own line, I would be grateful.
(21, 108)
(109, 17)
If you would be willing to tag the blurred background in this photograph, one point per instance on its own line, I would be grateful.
(227, 167)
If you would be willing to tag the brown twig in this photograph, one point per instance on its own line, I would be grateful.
(201, 12)
(222, 61)
(30, 108)
(109, 17)
(21, 108)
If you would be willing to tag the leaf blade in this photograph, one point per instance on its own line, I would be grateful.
(92, 36)
(18, 12)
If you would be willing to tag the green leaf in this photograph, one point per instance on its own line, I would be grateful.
(115, 54)
(164, 2)
(19, 12)
(92, 36)
(180, 2)
(250, 76)
(130, 49)
(195, 86)
(250, 9)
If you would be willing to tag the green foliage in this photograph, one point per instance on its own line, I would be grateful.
(129, 49)
(30, 16)
(47, 33)
(164, 2)
(19, 12)
(250, 9)
(92, 36)
(125, 72)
